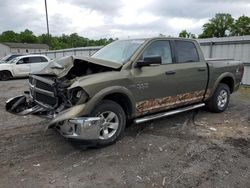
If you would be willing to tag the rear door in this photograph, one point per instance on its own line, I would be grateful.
(37, 63)
(22, 67)
(191, 72)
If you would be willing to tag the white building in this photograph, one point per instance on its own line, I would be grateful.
(7, 48)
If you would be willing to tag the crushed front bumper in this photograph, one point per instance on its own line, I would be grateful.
(67, 122)
(82, 128)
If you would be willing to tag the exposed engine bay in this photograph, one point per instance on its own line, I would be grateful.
(50, 94)
(83, 68)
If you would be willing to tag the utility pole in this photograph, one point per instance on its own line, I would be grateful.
(47, 21)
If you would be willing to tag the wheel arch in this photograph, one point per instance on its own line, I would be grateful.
(118, 94)
(9, 71)
(123, 100)
(226, 78)
(228, 81)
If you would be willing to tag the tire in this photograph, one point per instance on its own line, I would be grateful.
(220, 99)
(5, 75)
(105, 109)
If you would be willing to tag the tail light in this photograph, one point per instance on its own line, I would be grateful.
(241, 70)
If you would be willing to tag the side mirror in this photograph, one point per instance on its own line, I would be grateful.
(147, 61)
(20, 61)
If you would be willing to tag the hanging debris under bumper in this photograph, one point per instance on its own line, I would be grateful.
(19, 105)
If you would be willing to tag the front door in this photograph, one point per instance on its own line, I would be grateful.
(22, 67)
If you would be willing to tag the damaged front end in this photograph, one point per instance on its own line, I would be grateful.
(19, 105)
(52, 96)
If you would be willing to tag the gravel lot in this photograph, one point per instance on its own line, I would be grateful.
(193, 149)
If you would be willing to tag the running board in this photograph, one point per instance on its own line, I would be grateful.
(165, 114)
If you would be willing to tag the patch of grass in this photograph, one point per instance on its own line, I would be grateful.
(245, 91)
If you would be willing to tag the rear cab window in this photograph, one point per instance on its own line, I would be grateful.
(186, 52)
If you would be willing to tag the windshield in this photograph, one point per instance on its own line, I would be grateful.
(14, 60)
(119, 51)
(9, 57)
(5, 58)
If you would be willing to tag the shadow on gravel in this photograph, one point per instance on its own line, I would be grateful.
(238, 142)
(172, 126)
(241, 144)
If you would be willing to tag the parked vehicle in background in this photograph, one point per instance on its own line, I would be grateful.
(21, 66)
(93, 98)
(9, 57)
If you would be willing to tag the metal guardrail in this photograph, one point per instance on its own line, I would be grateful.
(81, 51)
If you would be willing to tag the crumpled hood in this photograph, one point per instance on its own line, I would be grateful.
(60, 67)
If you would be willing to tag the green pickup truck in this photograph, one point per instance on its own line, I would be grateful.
(134, 80)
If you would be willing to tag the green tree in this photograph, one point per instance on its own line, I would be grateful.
(55, 42)
(77, 41)
(186, 34)
(9, 36)
(27, 36)
(241, 26)
(44, 39)
(217, 26)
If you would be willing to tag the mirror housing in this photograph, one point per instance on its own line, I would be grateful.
(20, 61)
(150, 60)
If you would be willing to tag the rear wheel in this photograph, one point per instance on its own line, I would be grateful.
(220, 99)
(113, 121)
(5, 75)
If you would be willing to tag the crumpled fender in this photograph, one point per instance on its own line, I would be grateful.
(69, 113)
(107, 91)
(86, 108)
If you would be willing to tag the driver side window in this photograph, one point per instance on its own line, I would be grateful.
(23, 61)
(159, 48)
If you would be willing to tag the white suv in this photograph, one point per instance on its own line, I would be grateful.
(22, 66)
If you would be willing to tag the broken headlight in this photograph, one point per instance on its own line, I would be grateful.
(77, 96)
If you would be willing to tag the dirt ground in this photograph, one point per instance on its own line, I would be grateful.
(193, 149)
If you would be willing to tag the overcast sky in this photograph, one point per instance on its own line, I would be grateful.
(115, 18)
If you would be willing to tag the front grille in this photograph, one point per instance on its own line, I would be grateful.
(45, 99)
(45, 86)
(43, 91)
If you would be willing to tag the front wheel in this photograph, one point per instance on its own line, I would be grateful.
(5, 75)
(220, 99)
(113, 121)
